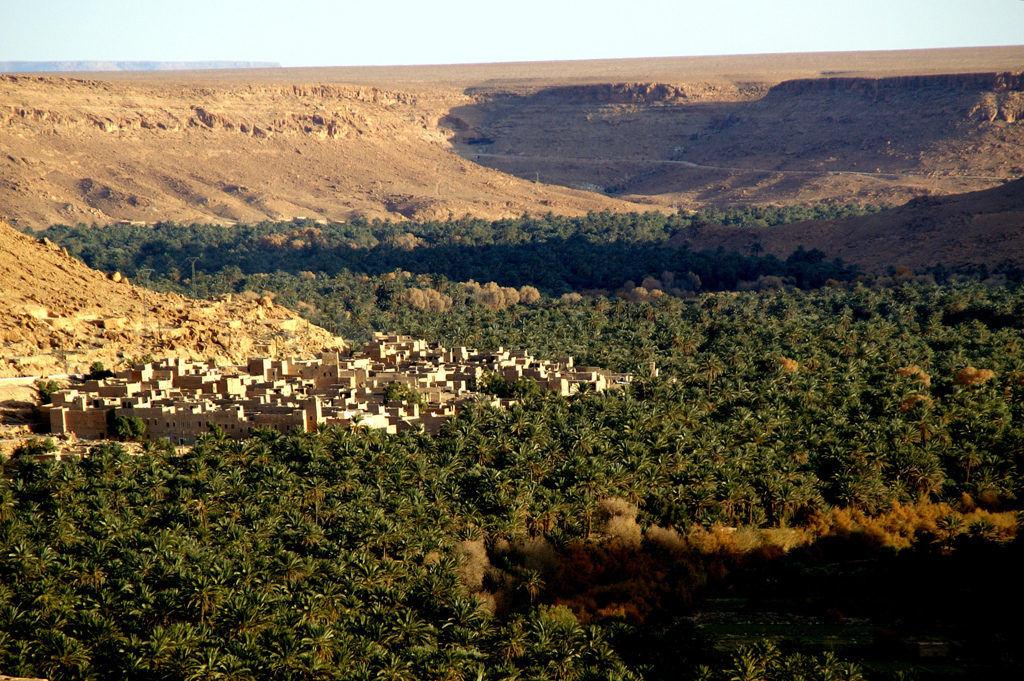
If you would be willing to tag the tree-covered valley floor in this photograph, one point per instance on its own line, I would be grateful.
(822, 482)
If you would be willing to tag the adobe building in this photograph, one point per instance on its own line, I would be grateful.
(179, 400)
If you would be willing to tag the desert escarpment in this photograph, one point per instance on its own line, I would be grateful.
(498, 140)
(80, 66)
(85, 150)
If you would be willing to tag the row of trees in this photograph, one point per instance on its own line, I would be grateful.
(555, 254)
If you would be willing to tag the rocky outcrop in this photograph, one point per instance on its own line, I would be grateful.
(59, 316)
(149, 149)
(618, 93)
(648, 93)
(213, 120)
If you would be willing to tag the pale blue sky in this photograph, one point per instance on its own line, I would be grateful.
(342, 33)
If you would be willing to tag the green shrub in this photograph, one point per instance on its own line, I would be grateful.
(130, 428)
(46, 388)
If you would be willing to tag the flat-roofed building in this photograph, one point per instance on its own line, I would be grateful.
(181, 400)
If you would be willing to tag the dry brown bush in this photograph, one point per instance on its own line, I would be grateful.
(538, 555)
(639, 294)
(915, 372)
(623, 530)
(651, 284)
(651, 289)
(620, 525)
(690, 282)
(972, 376)
(788, 365)
(528, 294)
(406, 242)
(763, 283)
(909, 403)
(667, 538)
(492, 295)
(426, 299)
(273, 241)
(614, 506)
(475, 564)
(620, 576)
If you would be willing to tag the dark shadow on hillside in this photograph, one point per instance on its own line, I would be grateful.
(555, 266)
(939, 610)
(604, 136)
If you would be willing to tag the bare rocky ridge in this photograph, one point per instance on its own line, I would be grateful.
(977, 228)
(58, 316)
(336, 143)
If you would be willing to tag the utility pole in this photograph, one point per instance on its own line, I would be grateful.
(144, 273)
(193, 279)
(63, 355)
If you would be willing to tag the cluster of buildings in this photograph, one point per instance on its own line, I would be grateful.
(179, 400)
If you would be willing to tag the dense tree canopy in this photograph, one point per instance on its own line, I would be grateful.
(555, 254)
(818, 426)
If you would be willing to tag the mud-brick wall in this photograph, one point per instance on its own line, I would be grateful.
(89, 424)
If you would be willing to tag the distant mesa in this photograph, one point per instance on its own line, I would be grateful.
(78, 66)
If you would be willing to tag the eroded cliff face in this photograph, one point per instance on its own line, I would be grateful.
(78, 150)
(654, 93)
(323, 110)
(880, 87)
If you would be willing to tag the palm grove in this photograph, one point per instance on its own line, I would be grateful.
(563, 538)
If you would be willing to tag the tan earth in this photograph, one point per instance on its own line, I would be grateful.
(984, 227)
(58, 316)
(498, 140)
(77, 150)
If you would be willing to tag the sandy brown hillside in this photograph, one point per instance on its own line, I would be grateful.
(426, 142)
(984, 227)
(77, 150)
(848, 138)
(58, 316)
